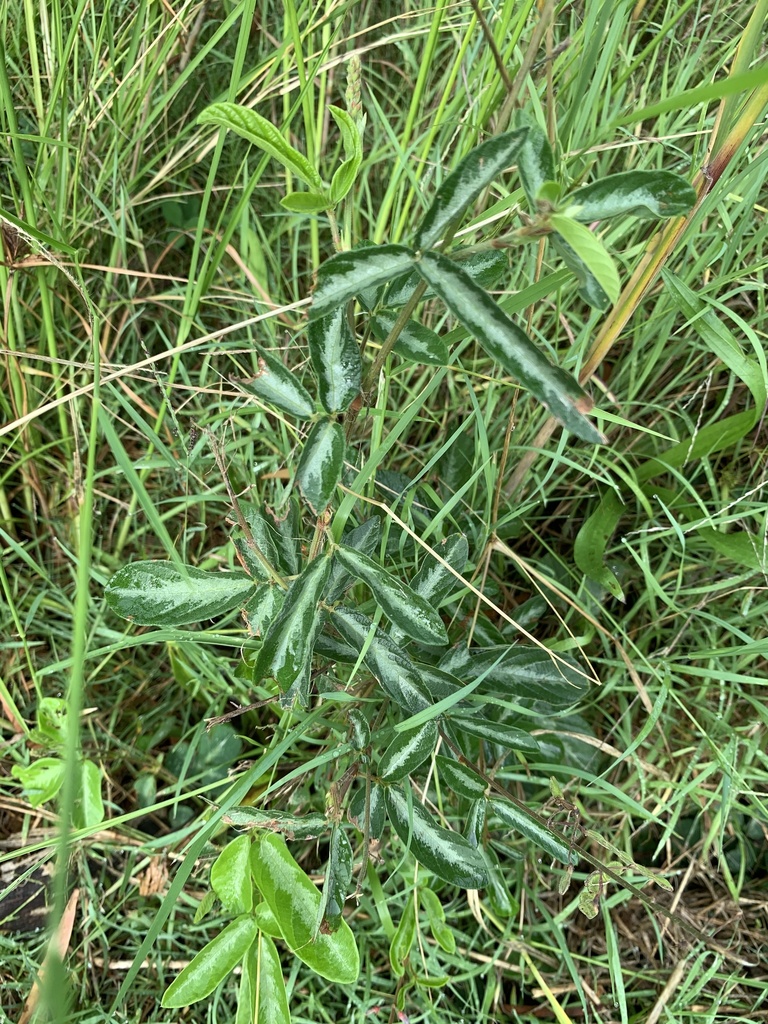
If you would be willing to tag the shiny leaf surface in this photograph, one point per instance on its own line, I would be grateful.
(321, 463)
(212, 964)
(346, 274)
(336, 361)
(165, 594)
(654, 194)
(407, 751)
(277, 385)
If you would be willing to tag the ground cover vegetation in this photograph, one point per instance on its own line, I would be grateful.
(383, 518)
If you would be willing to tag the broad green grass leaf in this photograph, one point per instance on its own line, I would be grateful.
(591, 540)
(295, 903)
(338, 875)
(590, 251)
(321, 463)
(305, 202)
(509, 346)
(393, 668)
(589, 287)
(414, 615)
(262, 998)
(287, 646)
(459, 778)
(652, 194)
(714, 333)
(415, 342)
(262, 133)
(520, 672)
(163, 594)
(495, 732)
(335, 357)
(538, 834)
(407, 751)
(212, 964)
(474, 173)
(346, 274)
(535, 163)
(276, 384)
(231, 876)
(446, 854)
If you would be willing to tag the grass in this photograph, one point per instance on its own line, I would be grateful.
(153, 256)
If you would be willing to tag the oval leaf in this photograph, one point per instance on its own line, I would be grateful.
(402, 940)
(165, 594)
(262, 998)
(212, 964)
(344, 275)
(262, 133)
(415, 341)
(475, 172)
(231, 876)
(537, 833)
(459, 778)
(520, 672)
(535, 164)
(393, 668)
(414, 615)
(287, 646)
(335, 359)
(306, 202)
(276, 384)
(590, 251)
(485, 268)
(338, 875)
(366, 538)
(295, 903)
(592, 539)
(589, 287)
(640, 193)
(356, 811)
(446, 854)
(433, 908)
(496, 732)
(407, 751)
(509, 346)
(321, 463)
(89, 806)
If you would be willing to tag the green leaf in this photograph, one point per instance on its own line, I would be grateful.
(278, 385)
(434, 581)
(393, 668)
(495, 732)
(262, 606)
(306, 826)
(474, 173)
(639, 193)
(520, 672)
(266, 920)
(262, 998)
(338, 875)
(295, 903)
(485, 268)
(52, 721)
(89, 806)
(591, 251)
(592, 539)
(415, 342)
(535, 832)
(164, 594)
(346, 274)
(335, 357)
(321, 463)
(433, 908)
(262, 133)
(205, 906)
(376, 810)
(509, 346)
(345, 175)
(264, 539)
(365, 538)
(403, 939)
(343, 179)
(306, 202)
(231, 876)
(287, 646)
(212, 964)
(414, 615)
(286, 526)
(407, 751)
(589, 287)
(446, 854)
(535, 164)
(40, 780)
(459, 778)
